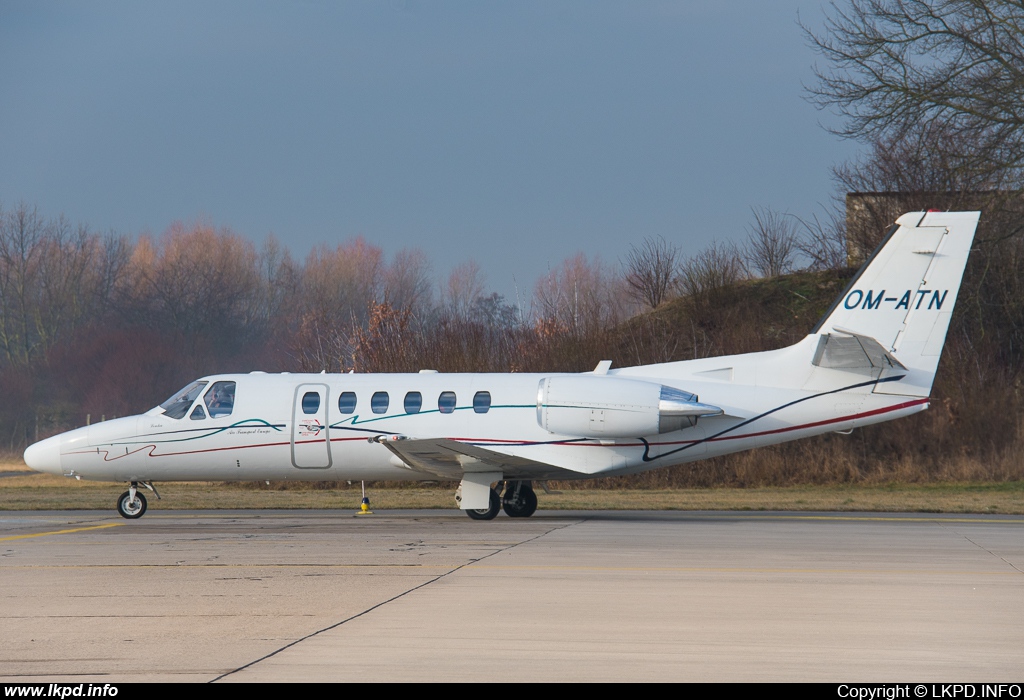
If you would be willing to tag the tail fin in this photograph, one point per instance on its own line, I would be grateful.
(903, 296)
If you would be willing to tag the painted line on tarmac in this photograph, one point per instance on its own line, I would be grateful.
(477, 566)
(1010, 518)
(890, 519)
(60, 532)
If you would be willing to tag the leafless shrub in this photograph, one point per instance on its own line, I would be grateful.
(771, 243)
(715, 267)
(651, 270)
(823, 242)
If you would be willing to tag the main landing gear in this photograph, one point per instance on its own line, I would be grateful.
(488, 513)
(132, 504)
(518, 501)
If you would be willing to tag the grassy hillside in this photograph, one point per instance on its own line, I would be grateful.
(971, 433)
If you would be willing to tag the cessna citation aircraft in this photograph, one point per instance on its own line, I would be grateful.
(872, 358)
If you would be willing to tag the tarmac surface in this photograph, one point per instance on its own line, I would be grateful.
(247, 596)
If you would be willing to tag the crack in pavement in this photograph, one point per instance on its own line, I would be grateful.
(396, 597)
(989, 551)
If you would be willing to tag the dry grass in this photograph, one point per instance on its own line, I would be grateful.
(44, 492)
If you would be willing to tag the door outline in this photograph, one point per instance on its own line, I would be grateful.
(322, 420)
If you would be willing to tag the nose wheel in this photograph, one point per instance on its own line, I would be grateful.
(131, 504)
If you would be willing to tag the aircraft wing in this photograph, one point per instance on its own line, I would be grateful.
(451, 459)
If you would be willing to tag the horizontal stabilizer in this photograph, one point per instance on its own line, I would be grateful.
(846, 349)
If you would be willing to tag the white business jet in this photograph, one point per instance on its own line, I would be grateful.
(872, 358)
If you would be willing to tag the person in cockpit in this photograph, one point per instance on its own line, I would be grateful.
(221, 399)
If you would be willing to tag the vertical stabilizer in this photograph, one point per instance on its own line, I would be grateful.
(903, 296)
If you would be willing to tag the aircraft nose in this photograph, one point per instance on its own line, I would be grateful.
(44, 456)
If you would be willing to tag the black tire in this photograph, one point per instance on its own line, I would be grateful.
(522, 507)
(131, 509)
(487, 513)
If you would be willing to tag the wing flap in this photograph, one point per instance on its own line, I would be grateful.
(451, 459)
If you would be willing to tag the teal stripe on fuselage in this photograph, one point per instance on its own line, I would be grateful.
(354, 420)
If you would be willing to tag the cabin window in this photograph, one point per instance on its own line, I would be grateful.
(220, 399)
(198, 413)
(482, 401)
(379, 402)
(310, 402)
(413, 402)
(347, 402)
(446, 402)
(177, 406)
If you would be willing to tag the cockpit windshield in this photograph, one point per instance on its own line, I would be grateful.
(177, 406)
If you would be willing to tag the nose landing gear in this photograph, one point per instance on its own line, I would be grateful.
(132, 504)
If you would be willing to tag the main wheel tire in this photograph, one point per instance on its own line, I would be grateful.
(524, 506)
(131, 509)
(487, 513)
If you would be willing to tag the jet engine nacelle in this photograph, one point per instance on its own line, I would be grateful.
(609, 407)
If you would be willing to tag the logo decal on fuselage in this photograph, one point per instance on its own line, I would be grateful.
(910, 299)
(310, 427)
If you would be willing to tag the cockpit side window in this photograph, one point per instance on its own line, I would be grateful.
(177, 406)
(197, 412)
(220, 399)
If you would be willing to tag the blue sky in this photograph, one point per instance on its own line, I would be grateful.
(515, 134)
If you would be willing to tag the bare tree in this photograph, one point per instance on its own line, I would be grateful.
(344, 281)
(53, 277)
(824, 239)
(196, 280)
(465, 285)
(340, 288)
(771, 243)
(711, 269)
(914, 171)
(895, 65)
(407, 283)
(580, 297)
(279, 278)
(651, 270)
(22, 232)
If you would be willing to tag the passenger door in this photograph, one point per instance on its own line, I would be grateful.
(311, 440)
